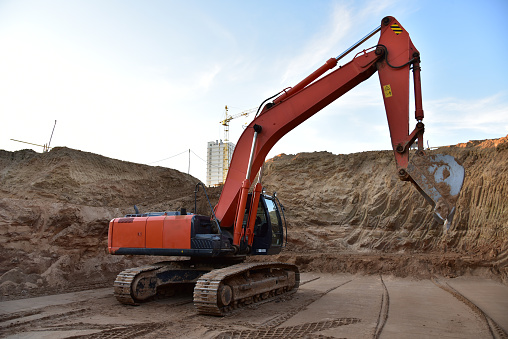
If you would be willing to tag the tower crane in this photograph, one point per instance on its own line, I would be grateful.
(225, 149)
(45, 147)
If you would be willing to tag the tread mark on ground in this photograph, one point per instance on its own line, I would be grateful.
(282, 318)
(495, 330)
(298, 331)
(383, 311)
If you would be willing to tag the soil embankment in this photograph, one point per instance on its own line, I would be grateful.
(54, 213)
(346, 213)
(354, 205)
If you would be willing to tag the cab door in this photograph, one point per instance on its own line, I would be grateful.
(268, 228)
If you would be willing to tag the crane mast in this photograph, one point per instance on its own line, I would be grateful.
(226, 157)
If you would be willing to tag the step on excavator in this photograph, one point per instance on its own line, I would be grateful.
(246, 221)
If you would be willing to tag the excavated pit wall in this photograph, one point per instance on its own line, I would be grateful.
(356, 203)
(345, 213)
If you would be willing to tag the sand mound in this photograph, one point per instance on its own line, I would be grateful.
(355, 203)
(346, 213)
(54, 213)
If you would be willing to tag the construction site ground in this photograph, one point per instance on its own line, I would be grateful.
(374, 262)
(326, 306)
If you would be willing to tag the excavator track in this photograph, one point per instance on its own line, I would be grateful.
(136, 285)
(221, 291)
(125, 280)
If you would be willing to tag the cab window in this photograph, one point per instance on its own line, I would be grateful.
(275, 221)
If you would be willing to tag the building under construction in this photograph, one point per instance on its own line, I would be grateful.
(219, 152)
(217, 161)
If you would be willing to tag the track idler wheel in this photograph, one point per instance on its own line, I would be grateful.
(225, 295)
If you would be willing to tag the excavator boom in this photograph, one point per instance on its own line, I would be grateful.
(393, 58)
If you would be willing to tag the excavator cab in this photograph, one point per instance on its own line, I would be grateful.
(268, 227)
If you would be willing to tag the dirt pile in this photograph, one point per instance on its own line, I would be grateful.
(80, 178)
(346, 213)
(54, 213)
(354, 203)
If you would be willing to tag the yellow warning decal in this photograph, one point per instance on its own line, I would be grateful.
(388, 91)
(396, 29)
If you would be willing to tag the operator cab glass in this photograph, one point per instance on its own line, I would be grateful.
(268, 228)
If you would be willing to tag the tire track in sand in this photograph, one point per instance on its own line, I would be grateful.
(383, 310)
(270, 329)
(495, 330)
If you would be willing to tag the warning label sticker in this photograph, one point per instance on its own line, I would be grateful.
(396, 29)
(388, 91)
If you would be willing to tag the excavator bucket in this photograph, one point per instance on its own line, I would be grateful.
(439, 179)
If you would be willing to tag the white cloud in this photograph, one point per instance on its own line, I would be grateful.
(319, 47)
(206, 79)
(489, 114)
(345, 26)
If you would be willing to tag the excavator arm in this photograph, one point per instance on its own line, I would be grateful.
(223, 282)
(439, 178)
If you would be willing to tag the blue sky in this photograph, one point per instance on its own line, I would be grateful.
(142, 81)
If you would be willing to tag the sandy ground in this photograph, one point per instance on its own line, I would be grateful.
(325, 306)
(375, 262)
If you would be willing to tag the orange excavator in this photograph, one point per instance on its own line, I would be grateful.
(246, 221)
